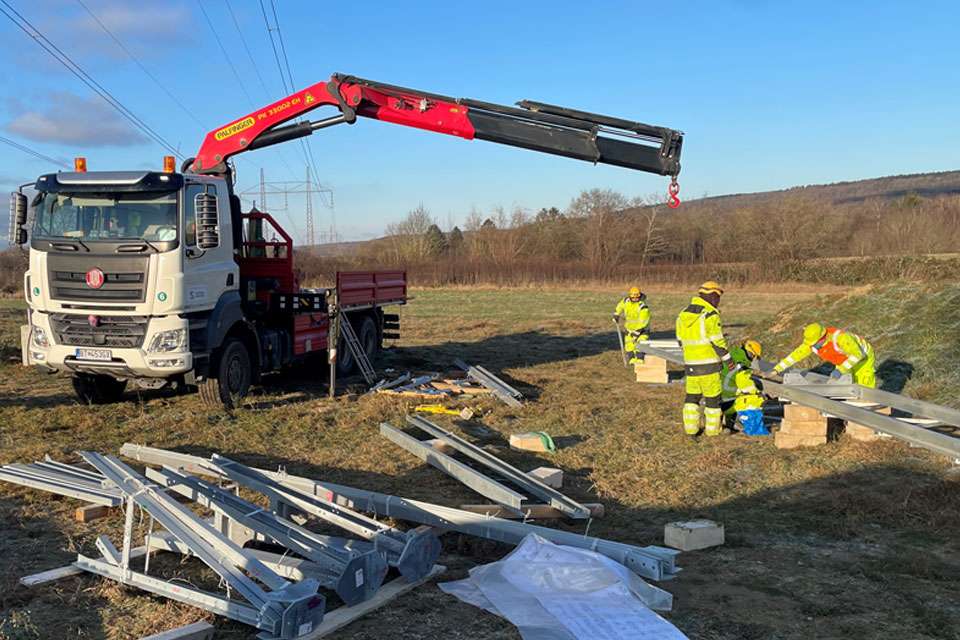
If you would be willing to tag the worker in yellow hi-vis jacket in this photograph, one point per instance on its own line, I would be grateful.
(636, 320)
(704, 356)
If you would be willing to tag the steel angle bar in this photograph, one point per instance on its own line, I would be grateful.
(554, 498)
(501, 389)
(416, 382)
(95, 495)
(919, 408)
(231, 608)
(826, 390)
(393, 383)
(412, 553)
(70, 469)
(55, 475)
(285, 564)
(655, 563)
(355, 577)
(470, 477)
(152, 455)
(676, 357)
(919, 436)
(652, 562)
(281, 611)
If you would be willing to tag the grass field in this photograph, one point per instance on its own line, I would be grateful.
(848, 540)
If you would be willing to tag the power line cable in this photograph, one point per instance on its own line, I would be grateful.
(225, 54)
(143, 68)
(88, 80)
(37, 154)
(307, 147)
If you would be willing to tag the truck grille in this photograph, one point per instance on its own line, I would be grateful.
(124, 278)
(121, 332)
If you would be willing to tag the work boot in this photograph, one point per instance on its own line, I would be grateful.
(636, 360)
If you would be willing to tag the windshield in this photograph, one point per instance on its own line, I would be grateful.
(107, 216)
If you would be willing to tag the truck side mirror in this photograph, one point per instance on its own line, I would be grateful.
(206, 208)
(18, 218)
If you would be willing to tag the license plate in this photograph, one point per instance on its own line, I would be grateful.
(94, 354)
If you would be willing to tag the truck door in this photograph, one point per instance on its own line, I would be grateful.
(207, 274)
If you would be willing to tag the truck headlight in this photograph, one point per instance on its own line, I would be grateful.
(167, 341)
(40, 338)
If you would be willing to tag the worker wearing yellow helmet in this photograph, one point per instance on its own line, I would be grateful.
(704, 356)
(636, 320)
(741, 399)
(848, 352)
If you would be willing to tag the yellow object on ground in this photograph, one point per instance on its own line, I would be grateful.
(466, 414)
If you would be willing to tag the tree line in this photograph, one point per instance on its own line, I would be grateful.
(602, 235)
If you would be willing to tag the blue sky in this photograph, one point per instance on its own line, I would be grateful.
(770, 94)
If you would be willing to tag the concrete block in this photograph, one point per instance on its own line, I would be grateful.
(792, 441)
(804, 427)
(527, 442)
(801, 413)
(693, 535)
(548, 476)
(441, 446)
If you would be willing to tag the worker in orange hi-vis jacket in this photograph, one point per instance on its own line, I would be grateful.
(848, 352)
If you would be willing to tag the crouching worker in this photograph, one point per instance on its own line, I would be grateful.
(848, 352)
(742, 400)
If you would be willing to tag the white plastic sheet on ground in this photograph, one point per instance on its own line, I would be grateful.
(554, 592)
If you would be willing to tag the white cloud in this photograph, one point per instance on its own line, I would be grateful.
(73, 120)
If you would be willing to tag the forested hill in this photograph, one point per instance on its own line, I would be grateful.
(890, 187)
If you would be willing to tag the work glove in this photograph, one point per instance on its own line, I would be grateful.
(616, 318)
(835, 374)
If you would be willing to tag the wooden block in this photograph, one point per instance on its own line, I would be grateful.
(527, 442)
(792, 441)
(342, 616)
(690, 536)
(653, 377)
(196, 631)
(541, 511)
(804, 427)
(441, 446)
(548, 476)
(93, 512)
(651, 363)
(801, 413)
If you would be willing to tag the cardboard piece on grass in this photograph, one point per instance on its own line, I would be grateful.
(532, 441)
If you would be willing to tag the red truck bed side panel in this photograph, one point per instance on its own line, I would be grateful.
(309, 332)
(371, 287)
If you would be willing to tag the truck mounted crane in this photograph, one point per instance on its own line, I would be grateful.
(158, 278)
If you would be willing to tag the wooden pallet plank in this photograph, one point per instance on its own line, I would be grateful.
(196, 631)
(341, 617)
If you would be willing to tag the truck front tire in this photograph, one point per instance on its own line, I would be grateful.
(230, 378)
(98, 389)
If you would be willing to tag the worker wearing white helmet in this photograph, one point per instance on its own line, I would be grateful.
(636, 320)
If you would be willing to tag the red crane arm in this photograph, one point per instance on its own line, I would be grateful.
(537, 126)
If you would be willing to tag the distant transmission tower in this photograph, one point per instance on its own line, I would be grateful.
(309, 188)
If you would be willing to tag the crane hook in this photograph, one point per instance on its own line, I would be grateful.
(673, 201)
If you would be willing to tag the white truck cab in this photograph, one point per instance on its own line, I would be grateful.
(119, 276)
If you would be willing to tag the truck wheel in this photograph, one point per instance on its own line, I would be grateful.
(230, 379)
(368, 337)
(98, 389)
(345, 361)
